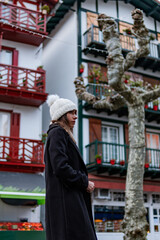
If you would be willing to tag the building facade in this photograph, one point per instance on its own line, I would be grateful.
(80, 51)
(22, 93)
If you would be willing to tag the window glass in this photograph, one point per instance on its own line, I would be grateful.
(110, 148)
(155, 198)
(156, 219)
(119, 196)
(4, 124)
(6, 57)
(152, 151)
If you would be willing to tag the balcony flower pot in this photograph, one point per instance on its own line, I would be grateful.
(98, 158)
(40, 68)
(155, 104)
(127, 31)
(45, 9)
(155, 107)
(146, 106)
(146, 165)
(112, 161)
(122, 162)
(81, 68)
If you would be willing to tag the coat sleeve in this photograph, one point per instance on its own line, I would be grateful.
(59, 161)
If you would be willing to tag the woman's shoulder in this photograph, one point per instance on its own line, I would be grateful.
(56, 130)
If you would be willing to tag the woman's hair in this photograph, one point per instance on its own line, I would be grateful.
(63, 122)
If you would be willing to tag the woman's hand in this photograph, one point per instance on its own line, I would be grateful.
(90, 187)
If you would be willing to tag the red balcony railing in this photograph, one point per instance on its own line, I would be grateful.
(22, 78)
(21, 17)
(25, 155)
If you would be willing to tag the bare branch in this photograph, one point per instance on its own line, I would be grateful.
(81, 92)
(114, 103)
(151, 95)
(141, 32)
(115, 59)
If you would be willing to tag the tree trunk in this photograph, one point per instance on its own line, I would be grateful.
(135, 224)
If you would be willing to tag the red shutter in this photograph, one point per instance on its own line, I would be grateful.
(14, 132)
(15, 63)
(15, 124)
(126, 134)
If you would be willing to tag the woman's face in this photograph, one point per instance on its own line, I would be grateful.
(71, 117)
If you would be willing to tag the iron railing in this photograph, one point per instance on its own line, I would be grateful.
(23, 18)
(22, 78)
(128, 42)
(119, 153)
(103, 90)
(20, 150)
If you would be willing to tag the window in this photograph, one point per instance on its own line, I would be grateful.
(4, 124)
(156, 219)
(152, 151)
(119, 196)
(6, 57)
(110, 140)
(108, 218)
(155, 198)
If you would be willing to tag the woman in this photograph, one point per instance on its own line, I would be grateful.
(68, 203)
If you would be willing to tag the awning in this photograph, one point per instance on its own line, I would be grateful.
(22, 186)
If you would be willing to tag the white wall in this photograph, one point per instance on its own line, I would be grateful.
(60, 62)
(14, 213)
(30, 121)
(125, 15)
(108, 8)
(89, 4)
(29, 56)
(125, 12)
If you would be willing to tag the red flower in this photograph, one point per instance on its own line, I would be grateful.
(98, 160)
(81, 70)
(146, 165)
(112, 161)
(122, 162)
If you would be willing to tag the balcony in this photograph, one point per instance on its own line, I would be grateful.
(93, 44)
(114, 158)
(21, 155)
(103, 90)
(22, 25)
(22, 86)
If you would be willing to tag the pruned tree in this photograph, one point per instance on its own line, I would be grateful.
(134, 224)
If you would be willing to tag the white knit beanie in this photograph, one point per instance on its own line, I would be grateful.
(59, 106)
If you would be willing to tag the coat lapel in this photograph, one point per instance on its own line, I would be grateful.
(77, 149)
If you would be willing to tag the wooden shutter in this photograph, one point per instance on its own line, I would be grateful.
(91, 19)
(15, 63)
(95, 132)
(14, 132)
(15, 124)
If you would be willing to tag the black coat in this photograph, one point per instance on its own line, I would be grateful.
(68, 205)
